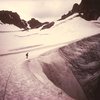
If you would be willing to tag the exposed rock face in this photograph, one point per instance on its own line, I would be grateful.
(9, 17)
(75, 9)
(88, 9)
(48, 25)
(65, 15)
(33, 23)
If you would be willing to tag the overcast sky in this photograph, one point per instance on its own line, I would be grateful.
(40, 9)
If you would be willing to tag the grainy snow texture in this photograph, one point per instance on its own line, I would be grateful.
(49, 76)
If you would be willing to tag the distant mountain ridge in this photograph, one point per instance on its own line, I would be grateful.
(34, 23)
(87, 9)
(9, 17)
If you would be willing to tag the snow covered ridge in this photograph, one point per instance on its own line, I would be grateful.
(61, 33)
(12, 18)
(64, 31)
(87, 9)
(36, 25)
(9, 17)
(70, 72)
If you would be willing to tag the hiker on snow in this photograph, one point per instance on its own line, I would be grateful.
(26, 55)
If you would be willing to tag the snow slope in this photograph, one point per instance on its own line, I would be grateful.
(61, 33)
(19, 78)
(8, 28)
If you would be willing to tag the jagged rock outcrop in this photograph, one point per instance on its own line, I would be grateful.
(9, 17)
(75, 9)
(33, 23)
(88, 9)
(48, 25)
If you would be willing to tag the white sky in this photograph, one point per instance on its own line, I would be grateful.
(44, 9)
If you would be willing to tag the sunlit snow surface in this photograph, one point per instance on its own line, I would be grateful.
(27, 77)
(38, 41)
